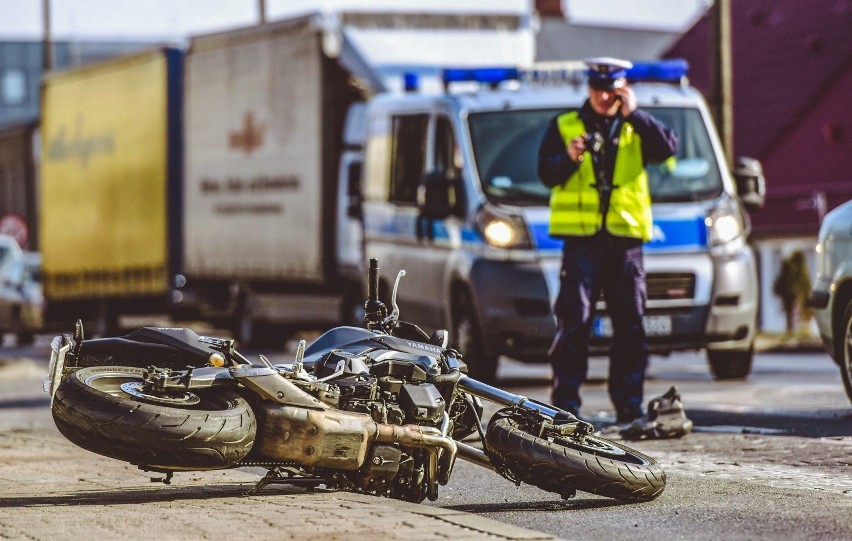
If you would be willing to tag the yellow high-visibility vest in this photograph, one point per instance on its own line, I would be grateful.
(575, 204)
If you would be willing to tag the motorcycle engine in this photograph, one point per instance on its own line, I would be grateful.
(393, 391)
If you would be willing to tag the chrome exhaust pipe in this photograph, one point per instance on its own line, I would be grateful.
(340, 439)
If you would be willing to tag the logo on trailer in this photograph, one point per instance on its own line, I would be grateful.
(250, 137)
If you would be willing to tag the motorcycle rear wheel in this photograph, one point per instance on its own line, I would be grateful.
(103, 410)
(564, 464)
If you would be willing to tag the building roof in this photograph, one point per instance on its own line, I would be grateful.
(792, 79)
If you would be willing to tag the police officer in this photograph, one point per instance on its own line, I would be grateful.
(594, 162)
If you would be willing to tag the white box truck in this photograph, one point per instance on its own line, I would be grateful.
(270, 241)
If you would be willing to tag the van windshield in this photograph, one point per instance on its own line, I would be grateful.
(505, 147)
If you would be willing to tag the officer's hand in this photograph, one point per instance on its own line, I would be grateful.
(576, 149)
(628, 100)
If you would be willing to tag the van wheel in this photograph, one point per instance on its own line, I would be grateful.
(467, 335)
(730, 364)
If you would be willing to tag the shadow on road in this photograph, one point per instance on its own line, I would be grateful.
(544, 506)
(126, 495)
(25, 403)
(819, 423)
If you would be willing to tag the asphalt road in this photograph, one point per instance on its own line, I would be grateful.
(770, 458)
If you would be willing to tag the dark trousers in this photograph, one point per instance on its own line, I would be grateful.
(615, 266)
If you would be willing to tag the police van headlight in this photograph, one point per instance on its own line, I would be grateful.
(726, 222)
(501, 228)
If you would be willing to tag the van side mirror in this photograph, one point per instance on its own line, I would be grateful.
(751, 184)
(437, 196)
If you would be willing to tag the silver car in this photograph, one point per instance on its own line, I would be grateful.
(831, 297)
(21, 298)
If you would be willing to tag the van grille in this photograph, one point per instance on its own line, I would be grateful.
(670, 285)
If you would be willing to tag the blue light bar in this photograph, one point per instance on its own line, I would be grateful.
(411, 82)
(666, 71)
(490, 76)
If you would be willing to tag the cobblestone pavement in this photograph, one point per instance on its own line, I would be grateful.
(822, 464)
(50, 489)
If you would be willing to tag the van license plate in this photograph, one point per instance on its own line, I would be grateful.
(654, 326)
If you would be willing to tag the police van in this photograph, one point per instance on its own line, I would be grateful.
(451, 195)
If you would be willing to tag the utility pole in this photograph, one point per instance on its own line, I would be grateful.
(46, 43)
(261, 9)
(721, 74)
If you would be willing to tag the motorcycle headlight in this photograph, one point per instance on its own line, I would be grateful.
(725, 222)
(502, 229)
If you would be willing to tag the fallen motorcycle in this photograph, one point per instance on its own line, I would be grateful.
(384, 410)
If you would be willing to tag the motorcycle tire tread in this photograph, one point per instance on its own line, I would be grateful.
(558, 468)
(153, 435)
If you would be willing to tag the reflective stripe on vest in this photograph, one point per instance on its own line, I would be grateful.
(575, 204)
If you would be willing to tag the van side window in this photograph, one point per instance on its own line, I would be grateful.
(408, 156)
(445, 149)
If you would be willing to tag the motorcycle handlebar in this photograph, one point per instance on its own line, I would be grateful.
(374, 309)
(373, 281)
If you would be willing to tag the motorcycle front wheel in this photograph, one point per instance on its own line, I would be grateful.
(106, 410)
(563, 464)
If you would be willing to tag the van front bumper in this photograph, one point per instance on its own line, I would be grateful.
(514, 301)
(719, 313)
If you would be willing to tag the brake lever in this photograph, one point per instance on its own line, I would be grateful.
(394, 315)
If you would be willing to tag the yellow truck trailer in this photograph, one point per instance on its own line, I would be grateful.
(110, 186)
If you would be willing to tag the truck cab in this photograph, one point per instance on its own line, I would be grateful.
(451, 195)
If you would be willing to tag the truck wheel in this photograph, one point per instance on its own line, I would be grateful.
(106, 320)
(26, 338)
(105, 410)
(730, 364)
(844, 348)
(242, 327)
(467, 336)
(352, 307)
(251, 332)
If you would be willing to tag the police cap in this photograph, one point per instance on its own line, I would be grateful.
(607, 73)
